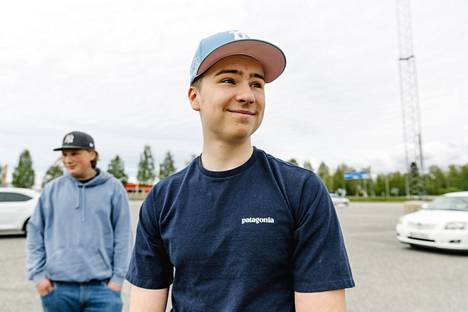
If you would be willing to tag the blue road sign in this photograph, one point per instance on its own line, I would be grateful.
(356, 175)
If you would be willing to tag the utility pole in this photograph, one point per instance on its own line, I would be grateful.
(409, 100)
(387, 186)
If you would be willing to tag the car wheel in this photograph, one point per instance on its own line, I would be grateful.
(25, 227)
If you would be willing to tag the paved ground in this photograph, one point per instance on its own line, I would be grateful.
(390, 277)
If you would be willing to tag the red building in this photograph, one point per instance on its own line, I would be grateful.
(138, 188)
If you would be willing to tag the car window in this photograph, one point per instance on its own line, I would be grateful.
(449, 203)
(13, 197)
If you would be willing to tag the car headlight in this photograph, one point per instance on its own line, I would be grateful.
(455, 226)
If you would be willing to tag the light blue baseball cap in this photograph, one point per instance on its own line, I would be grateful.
(234, 42)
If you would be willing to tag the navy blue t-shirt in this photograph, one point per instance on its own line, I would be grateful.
(239, 240)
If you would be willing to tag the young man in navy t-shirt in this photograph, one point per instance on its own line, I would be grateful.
(238, 230)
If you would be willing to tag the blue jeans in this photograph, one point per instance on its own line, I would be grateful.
(82, 297)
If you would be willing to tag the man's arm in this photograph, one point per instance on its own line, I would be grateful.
(122, 238)
(326, 301)
(148, 300)
(35, 256)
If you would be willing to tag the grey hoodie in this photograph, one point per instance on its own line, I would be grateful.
(80, 232)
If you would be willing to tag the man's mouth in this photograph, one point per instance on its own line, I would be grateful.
(241, 111)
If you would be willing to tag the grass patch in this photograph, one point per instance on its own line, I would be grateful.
(399, 199)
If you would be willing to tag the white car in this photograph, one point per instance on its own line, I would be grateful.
(16, 207)
(441, 224)
(339, 201)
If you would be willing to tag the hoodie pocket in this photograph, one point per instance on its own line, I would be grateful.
(74, 262)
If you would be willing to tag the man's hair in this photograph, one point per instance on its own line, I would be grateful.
(95, 160)
(197, 82)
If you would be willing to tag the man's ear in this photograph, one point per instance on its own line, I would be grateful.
(194, 98)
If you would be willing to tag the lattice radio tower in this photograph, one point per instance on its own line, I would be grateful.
(410, 101)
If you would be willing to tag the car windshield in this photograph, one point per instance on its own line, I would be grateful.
(449, 203)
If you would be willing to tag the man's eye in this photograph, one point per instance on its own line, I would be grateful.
(228, 80)
(257, 85)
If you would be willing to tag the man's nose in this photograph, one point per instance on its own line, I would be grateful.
(245, 94)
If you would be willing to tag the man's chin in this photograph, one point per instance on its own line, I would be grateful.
(241, 135)
(74, 173)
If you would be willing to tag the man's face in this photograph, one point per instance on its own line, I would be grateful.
(230, 99)
(78, 162)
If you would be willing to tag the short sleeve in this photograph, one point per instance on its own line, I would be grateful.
(150, 267)
(320, 260)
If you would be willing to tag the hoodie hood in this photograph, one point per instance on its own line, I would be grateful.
(80, 202)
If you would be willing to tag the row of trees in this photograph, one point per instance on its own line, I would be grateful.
(436, 181)
(24, 175)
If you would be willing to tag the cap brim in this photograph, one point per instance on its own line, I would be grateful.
(268, 55)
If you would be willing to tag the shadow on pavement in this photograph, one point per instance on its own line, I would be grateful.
(432, 250)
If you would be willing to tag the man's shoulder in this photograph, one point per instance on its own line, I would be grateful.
(285, 168)
(110, 179)
(57, 182)
(171, 181)
(295, 181)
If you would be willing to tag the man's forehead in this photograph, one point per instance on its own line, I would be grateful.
(241, 63)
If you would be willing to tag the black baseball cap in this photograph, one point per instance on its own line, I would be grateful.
(76, 140)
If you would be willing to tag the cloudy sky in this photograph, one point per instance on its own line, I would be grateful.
(119, 70)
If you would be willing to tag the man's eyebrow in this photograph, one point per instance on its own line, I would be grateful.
(257, 76)
(238, 72)
(229, 71)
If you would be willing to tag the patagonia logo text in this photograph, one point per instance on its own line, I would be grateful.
(258, 220)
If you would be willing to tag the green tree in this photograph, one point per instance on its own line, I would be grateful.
(23, 175)
(380, 185)
(463, 178)
(307, 165)
(167, 167)
(324, 173)
(293, 161)
(146, 169)
(397, 183)
(453, 179)
(53, 172)
(116, 167)
(339, 181)
(436, 181)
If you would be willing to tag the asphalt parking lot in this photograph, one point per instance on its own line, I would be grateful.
(389, 276)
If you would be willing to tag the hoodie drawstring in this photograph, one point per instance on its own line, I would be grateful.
(80, 202)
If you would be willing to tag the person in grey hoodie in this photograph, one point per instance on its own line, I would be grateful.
(79, 236)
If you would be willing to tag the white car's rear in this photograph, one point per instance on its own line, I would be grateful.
(16, 207)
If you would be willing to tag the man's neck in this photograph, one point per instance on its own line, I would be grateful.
(89, 174)
(220, 156)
